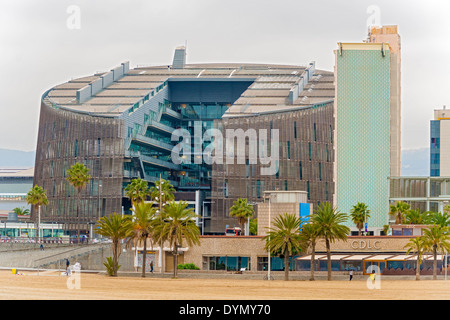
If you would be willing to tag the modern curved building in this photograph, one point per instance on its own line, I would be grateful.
(121, 125)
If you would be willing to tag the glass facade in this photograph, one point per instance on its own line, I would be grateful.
(424, 193)
(120, 125)
(384, 266)
(276, 263)
(363, 159)
(66, 138)
(305, 160)
(228, 263)
(435, 137)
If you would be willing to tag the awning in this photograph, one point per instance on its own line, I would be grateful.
(357, 257)
(431, 257)
(403, 257)
(317, 256)
(335, 257)
(379, 257)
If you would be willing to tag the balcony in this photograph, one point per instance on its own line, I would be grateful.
(161, 146)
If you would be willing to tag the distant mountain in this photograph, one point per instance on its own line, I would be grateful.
(16, 158)
(416, 162)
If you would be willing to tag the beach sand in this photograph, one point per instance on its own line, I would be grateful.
(50, 286)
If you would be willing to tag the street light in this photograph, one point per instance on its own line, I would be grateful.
(268, 261)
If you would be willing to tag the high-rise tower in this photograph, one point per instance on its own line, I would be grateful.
(389, 35)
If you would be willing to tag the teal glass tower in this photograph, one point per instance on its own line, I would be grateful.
(362, 109)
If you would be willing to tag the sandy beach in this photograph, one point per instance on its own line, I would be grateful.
(30, 286)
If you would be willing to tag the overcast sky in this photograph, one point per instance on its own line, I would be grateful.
(41, 46)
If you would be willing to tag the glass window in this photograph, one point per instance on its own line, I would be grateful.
(295, 129)
(395, 265)
(335, 265)
(407, 231)
(229, 263)
(232, 263)
(355, 265)
(303, 265)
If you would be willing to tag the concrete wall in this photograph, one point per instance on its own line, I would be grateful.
(276, 209)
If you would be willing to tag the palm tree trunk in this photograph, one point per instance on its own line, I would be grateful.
(434, 262)
(175, 261)
(328, 258)
(286, 265)
(144, 257)
(313, 258)
(115, 256)
(418, 268)
(39, 225)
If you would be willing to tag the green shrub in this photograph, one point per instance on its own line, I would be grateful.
(188, 266)
(109, 264)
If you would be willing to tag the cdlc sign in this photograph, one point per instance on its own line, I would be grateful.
(365, 244)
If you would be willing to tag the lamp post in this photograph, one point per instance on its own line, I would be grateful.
(268, 257)
(161, 243)
(98, 204)
(98, 191)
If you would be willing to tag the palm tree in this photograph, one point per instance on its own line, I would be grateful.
(176, 225)
(329, 222)
(440, 218)
(399, 210)
(37, 197)
(137, 191)
(253, 226)
(386, 229)
(436, 238)
(309, 237)
(78, 177)
(21, 211)
(284, 238)
(142, 227)
(242, 211)
(116, 227)
(359, 215)
(416, 245)
(417, 217)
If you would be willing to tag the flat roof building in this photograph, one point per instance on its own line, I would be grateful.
(127, 123)
(14, 186)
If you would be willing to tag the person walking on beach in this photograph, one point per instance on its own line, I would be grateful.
(67, 267)
(372, 276)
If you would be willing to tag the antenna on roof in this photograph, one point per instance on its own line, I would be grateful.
(179, 58)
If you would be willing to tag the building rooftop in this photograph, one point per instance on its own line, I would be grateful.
(274, 87)
(17, 172)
